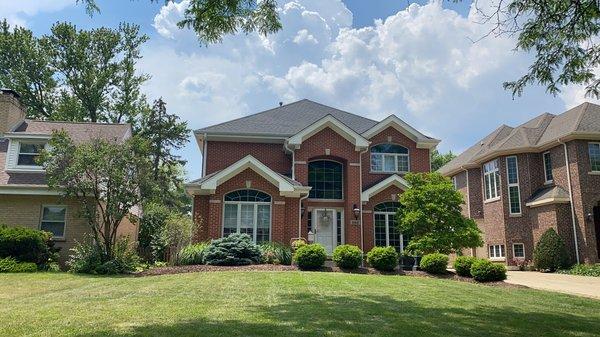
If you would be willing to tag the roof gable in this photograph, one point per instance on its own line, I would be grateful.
(402, 127)
(393, 180)
(329, 122)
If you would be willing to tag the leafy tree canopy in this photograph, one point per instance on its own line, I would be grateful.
(440, 159)
(430, 213)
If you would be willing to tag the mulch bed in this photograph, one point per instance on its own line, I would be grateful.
(272, 267)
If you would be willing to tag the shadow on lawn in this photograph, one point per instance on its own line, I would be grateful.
(373, 316)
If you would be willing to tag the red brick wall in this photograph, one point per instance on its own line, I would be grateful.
(220, 155)
(418, 158)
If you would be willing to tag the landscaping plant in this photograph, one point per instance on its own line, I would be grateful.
(550, 253)
(484, 270)
(28, 245)
(463, 264)
(583, 270)
(347, 256)
(310, 257)
(383, 258)
(435, 263)
(10, 265)
(192, 254)
(276, 253)
(86, 258)
(233, 250)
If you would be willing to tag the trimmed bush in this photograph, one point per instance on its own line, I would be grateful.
(310, 256)
(435, 263)
(383, 258)
(484, 270)
(583, 270)
(550, 253)
(87, 258)
(462, 265)
(347, 256)
(10, 265)
(276, 253)
(27, 245)
(297, 244)
(234, 250)
(192, 254)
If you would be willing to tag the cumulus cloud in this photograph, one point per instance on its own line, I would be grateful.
(421, 63)
(17, 12)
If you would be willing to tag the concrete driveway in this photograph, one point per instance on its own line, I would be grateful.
(569, 284)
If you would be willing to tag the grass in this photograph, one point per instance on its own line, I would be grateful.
(282, 304)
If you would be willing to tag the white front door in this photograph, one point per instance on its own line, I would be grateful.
(325, 229)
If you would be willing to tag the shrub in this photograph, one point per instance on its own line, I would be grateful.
(234, 250)
(310, 256)
(297, 244)
(383, 258)
(462, 265)
(435, 263)
(27, 245)
(88, 258)
(10, 265)
(484, 270)
(550, 253)
(347, 256)
(192, 254)
(276, 253)
(583, 270)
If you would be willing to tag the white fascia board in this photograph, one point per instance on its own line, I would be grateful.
(393, 180)
(331, 122)
(22, 135)
(548, 201)
(27, 190)
(403, 127)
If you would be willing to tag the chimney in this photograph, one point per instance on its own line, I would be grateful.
(280, 103)
(11, 110)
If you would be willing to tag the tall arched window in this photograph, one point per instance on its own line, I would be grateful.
(247, 211)
(386, 231)
(325, 178)
(389, 158)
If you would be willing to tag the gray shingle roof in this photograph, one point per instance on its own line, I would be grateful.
(287, 120)
(551, 192)
(535, 133)
(78, 131)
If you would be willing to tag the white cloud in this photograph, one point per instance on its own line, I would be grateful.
(420, 64)
(17, 12)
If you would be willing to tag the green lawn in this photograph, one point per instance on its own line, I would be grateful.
(282, 304)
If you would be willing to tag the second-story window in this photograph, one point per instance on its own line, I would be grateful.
(28, 153)
(512, 179)
(491, 180)
(325, 178)
(389, 158)
(594, 149)
(547, 167)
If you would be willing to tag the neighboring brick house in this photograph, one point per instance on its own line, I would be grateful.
(25, 199)
(519, 182)
(306, 170)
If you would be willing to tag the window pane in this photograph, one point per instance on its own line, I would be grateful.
(595, 156)
(376, 163)
(54, 213)
(263, 223)
(496, 190)
(548, 166)
(389, 163)
(515, 202)
(402, 163)
(31, 148)
(389, 148)
(395, 238)
(380, 230)
(325, 178)
(492, 252)
(339, 228)
(56, 228)
(511, 166)
(248, 195)
(28, 160)
(519, 250)
(486, 184)
(389, 206)
(53, 220)
(230, 219)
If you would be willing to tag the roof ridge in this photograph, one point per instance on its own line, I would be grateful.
(344, 111)
(586, 106)
(69, 122)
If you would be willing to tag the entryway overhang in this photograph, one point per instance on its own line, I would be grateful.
(393, 180)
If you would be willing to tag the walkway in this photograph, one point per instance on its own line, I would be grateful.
(570, 284)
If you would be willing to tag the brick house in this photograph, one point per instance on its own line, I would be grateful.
(520, 181)
(25, 199)
(306, 170)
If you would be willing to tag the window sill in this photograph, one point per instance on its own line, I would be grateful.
(325, 200)
(594, 173)
(497, 259)
(519, 215)
(388, 172)
(26, 169)
(550, 182)
(491, 200)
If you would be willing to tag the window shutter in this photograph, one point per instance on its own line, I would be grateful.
(13, 152)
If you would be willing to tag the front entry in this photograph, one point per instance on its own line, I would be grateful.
(597, 227)
(325, 230)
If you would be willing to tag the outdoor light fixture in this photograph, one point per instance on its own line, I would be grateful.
(589, 217)
(356, 211)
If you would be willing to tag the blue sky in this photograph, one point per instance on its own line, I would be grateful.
(417, 61)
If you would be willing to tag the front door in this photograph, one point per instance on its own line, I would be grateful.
(597, 227)
(325, 228)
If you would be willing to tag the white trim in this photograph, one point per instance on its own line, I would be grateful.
(64, 221)
(393, 180)
(496, 257)
(592, 171)
(496, 195)
(546, 181)
(513, 250)
(27, 190)
(23, 135)
(387, 230)
(210, 185)
(343, 181)
(509, 185)
(13, 152)
(384, 154)
(329, 122)
(548, 201)
(423, 142)
(335, 211)
(255, 214)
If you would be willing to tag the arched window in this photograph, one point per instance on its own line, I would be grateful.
(386, 228)
(247, 211)
(325, 178)
(389, 158)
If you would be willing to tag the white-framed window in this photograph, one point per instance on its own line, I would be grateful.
(326, 179)
(53, 220)
(496, 251)
(518, 250)
(247, 211)
(389, 158)
(594, 151)
(491, 180)
(454, 183)
(512, 180)
(386, 229)
(29, 152)
(547, 167)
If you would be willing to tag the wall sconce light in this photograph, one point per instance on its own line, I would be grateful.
(356, 211)
(589, 217)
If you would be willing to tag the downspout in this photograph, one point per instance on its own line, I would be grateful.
(285, 145)
(468, 192)
(300, 215)
(571, 200)
(362, 238)
(204, 155)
